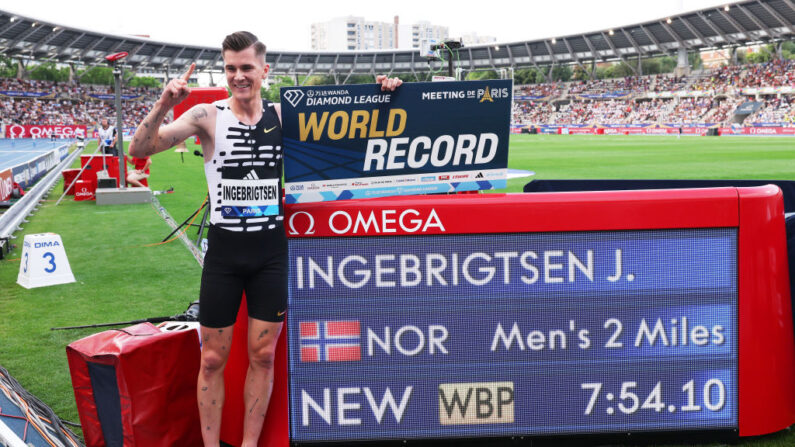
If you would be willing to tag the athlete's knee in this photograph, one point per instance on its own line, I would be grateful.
(262, 356)
(212, 362)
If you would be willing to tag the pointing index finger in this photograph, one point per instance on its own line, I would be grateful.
(187, 74)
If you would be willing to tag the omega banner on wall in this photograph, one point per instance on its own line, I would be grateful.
(355, 141)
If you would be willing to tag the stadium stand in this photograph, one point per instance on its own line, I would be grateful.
(708, 97)
(607, 101)
(34, 102)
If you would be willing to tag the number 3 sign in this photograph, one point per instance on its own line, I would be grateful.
(43, 262)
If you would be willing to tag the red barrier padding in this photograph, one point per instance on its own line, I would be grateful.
(111, 165)
(68, 177)
(155, 375)
(85, 190)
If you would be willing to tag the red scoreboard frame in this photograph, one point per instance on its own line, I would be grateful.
(766, 350)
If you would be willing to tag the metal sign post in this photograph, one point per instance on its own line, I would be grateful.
(115, 60)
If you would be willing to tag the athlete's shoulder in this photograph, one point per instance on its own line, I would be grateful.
(278, 109)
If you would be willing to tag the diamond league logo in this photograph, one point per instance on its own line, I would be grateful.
(294, 96)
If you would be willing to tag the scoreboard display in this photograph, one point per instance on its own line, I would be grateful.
(512, 334)
(539, 314)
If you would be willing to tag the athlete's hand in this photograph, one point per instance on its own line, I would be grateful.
(388, 83)
(177, 89)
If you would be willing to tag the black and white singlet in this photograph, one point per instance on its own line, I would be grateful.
(244, 174)
(247, 247)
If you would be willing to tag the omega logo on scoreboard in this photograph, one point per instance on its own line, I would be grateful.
(382, 221)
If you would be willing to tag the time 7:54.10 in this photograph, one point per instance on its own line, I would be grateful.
(712, 395)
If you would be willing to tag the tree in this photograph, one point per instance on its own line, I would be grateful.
(319, 80)
(694, 59)
(524, 76)
(742, 56)
(788, 49)
(272, 93)
(8, 67)
(482, 75)
(580, 74)
(620, 70)
(47, 71)
(667, 64)
(144, 81)
(97, 75)
(561, 73)
(651, 66)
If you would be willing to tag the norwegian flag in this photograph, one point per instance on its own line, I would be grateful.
(330, 341)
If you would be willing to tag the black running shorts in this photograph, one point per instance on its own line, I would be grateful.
(237, 262)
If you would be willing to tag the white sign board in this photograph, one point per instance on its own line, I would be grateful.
(43, 262)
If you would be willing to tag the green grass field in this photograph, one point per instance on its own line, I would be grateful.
(120, 278)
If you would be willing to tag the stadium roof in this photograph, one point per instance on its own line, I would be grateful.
(744, 23)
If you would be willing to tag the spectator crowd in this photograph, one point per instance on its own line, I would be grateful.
(722, 91)
(559, 103)
(69, 104)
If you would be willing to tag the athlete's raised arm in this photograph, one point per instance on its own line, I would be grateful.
(151, 138)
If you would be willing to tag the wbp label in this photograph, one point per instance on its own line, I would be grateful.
(476, 403)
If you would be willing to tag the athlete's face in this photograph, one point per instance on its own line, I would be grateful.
(245, 72)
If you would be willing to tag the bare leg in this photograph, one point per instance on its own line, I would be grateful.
(210, 389)
(262, 338)
(134, 182)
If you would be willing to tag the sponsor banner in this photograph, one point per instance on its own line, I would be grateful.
(757, 130)
(767, 90)
(21, 175)
(624, 125)
(340, 138)
(395, 185)
(608, 95)
(683, 125)
(530, 98)
(42, 131)
(111, 97)
(625, 131)
(680, 94)
(510, 334)
(655, 131)
(6, 184)
(18, 94)
(26, 174)
(768, 124)
(558, 126)
(578, 131)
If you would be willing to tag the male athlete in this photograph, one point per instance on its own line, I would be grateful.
(241, 139)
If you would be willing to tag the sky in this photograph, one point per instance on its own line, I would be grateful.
(286, 25)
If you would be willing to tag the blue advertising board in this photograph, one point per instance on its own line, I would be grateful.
(355, 141)
(412, 337)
